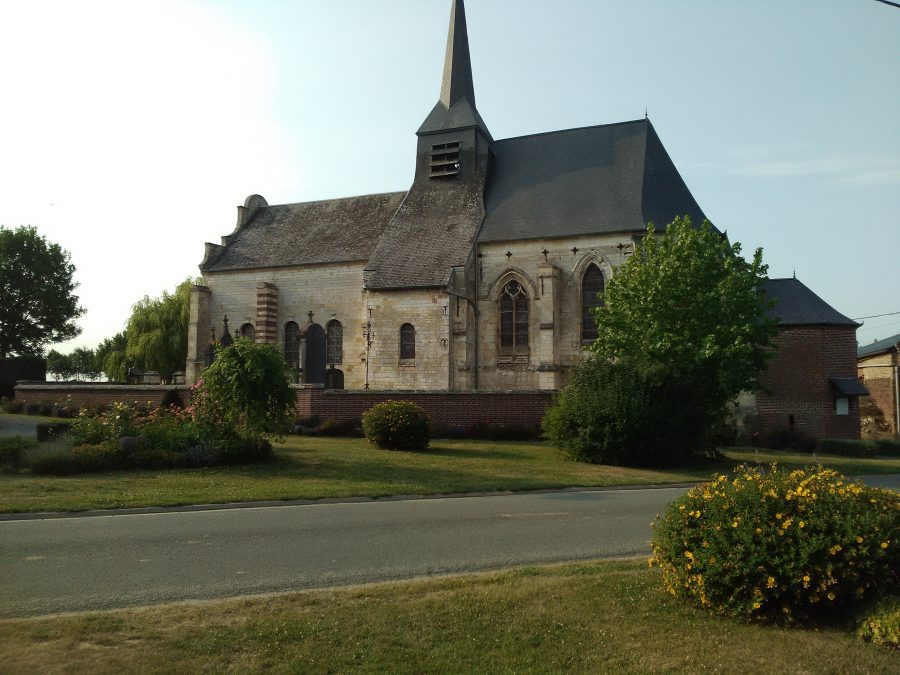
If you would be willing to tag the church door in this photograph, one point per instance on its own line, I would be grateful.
(314, 363)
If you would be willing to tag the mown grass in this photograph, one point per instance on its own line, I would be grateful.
(313, 468)
(610, 617)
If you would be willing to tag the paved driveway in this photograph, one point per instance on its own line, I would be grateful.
(17, 425)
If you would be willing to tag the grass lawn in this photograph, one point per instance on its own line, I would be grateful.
(594, 617)
(311, 468)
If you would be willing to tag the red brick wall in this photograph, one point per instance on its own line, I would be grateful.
(449, 410)
(97, 394)
(798, 382)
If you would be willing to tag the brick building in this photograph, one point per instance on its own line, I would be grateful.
(878, 365)
(810, 384)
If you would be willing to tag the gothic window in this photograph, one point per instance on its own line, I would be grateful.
(591, 285)
(334, 344)
(513, 320)
(292, 344)
(248, 331)
(407, 341)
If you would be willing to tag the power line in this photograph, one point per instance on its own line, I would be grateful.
(888, 2)
(876, 316)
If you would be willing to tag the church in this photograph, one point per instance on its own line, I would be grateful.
(482, 276)
(478, 285)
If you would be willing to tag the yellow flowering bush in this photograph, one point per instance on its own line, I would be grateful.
(770, 544)
(397, 425)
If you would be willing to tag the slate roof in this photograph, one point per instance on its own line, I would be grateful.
(848, 386)
(796, 305)
(879, 347)
(335, 230)
(433, 231)
(608, 178)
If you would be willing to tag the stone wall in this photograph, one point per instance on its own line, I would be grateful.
(797, 380)
(454, 411)
(878, 373)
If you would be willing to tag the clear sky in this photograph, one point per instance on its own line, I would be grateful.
(130, 130)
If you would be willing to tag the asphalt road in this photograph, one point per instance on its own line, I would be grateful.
(100, 562)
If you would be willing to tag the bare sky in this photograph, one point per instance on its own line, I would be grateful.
(130, 131)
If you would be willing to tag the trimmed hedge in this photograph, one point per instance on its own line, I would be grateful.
(13, 449)
(849, 447)
(397, 425)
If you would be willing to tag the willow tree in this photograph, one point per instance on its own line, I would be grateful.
(157, 332)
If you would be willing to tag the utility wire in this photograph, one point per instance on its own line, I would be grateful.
(888, 2)
(876, 316)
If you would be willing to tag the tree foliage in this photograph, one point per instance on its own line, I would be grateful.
(681, 333)
(37, 301)
(247, 389)
(110, 357)
(688, 304)
(157, 332)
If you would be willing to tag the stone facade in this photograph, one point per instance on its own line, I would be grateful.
(879, 373)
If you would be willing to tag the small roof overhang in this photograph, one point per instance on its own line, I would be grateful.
(848, 386)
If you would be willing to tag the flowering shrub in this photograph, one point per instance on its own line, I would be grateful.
(881, 624)
(770, 544)
(397, 425)
(120, 419)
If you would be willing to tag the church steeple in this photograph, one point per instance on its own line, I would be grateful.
(457, 81)
(456, 108)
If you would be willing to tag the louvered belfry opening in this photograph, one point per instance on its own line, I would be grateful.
(444, 160)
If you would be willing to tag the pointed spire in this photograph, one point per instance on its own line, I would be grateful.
(456, 109)
(457, 82)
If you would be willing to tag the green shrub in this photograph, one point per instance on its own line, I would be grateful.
(767, 545)
(881, 623)
(32, 409)
(612, 414)
(397, 425)
(888, 446)
(13, 448)
(171, 399)
(13, 407)
(245, 391)
(242, 451)
(789, 439)
(849, 447)
(47, 431)
(79, 459)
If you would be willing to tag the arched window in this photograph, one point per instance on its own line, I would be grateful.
(513, 320)
(334, 345)
(248, 330)
(292, 344)
(591, 286)
(407, 341)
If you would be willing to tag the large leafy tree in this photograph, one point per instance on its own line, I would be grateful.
(38, 305)
(157, 332)
(689, 304)
(109, 357)
(682, 331)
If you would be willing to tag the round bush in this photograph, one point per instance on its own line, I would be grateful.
(797, 545)
(397, 425)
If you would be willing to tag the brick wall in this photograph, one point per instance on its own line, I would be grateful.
(97, 394)
(451, 411)
(797, 380)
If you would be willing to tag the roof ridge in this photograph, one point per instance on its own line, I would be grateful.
(339, 199)
(562, 131)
